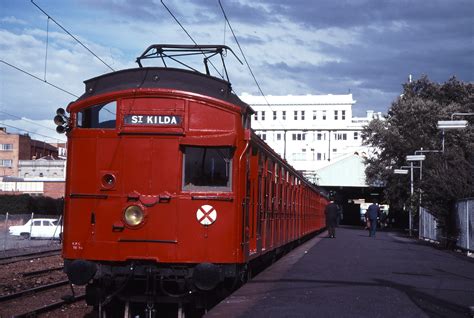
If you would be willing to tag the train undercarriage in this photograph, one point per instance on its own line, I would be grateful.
(142, 289)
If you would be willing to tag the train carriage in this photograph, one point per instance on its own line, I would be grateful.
(170, 195)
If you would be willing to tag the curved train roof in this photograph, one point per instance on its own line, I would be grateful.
(161, 77)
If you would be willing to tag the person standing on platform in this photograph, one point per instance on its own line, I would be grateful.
(373, 212)
(332, 213)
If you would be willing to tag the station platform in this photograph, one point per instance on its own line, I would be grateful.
(354, 275)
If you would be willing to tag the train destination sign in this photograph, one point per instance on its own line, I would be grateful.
(156, 120)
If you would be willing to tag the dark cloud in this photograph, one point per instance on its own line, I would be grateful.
(394, 39)
(143, 10)
(237, 12)
(353, 13)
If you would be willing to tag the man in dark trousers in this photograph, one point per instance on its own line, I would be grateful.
(373, 212)
(332, 213)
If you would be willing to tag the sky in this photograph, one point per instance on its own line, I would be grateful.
(364, 47)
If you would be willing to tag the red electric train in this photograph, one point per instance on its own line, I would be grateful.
(170, 197)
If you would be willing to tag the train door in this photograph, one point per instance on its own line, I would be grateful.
(254, 190)
(246, 228)
(270, 198)
(260, 201)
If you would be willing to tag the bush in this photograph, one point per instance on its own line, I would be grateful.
(24, 203)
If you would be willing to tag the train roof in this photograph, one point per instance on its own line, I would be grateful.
(163, 77)
(187, 79)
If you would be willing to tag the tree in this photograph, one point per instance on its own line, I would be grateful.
(410, 125)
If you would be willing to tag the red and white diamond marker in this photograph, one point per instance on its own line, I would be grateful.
(206, 215)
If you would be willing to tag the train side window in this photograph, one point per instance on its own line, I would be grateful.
(98, 116)
(207, 168)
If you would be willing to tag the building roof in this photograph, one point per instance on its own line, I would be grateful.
(346, 171)
(329, 99)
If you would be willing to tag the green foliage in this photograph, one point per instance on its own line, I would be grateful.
(410, 125)
(24, 203)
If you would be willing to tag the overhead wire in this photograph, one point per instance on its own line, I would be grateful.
(247, 63)
(47, 43)
(69, 33)
(30, 132)
(189, 35)
(28, 120)
(39, 79)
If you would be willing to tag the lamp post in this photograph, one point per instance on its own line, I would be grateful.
(450, 125)
(411, 159)
(404, 170)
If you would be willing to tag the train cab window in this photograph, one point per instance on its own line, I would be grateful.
(207, 168)
(98, 116)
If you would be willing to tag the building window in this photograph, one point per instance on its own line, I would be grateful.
(274, 115)
(295, 117)
(321, 136)
(263, 115)
(335, 115)
(6, 163)
(318, 156)
(334, 150)
(340, 136)
(283, 115)
(255, 116)
(278, 136)
(302, 115)
(324, 115)
(356, 135)
(343, 114)
(315, 114)
(6, 147)
(263, 136)
(299, 136)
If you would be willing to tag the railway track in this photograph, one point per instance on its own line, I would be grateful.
(42, 271)
(50, 307)
(28, 256)
(37, 300)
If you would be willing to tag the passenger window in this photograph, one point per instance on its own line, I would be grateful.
(98, 116)
(36, 223)
(46, 223)
(207, 168)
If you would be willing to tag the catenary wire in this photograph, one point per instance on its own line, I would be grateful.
(247, 63)
(189, 35)
(32, 133)
(39, 79)
(78, 41)
(27, 120)
(47, 43)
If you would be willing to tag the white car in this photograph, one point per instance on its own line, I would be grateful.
(38, 228)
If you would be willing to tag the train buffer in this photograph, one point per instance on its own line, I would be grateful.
(355, 275)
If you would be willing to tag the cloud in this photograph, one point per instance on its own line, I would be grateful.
(12, 20)
(294, 47)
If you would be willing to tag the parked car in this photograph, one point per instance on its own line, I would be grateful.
(38, 228)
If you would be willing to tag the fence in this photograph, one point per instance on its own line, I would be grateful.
(465, 222)
(428, 228)
(10, 242)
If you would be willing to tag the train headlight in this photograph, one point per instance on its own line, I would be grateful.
(134, 215)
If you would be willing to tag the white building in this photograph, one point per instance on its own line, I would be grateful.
(309, 131)
(46, 167)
